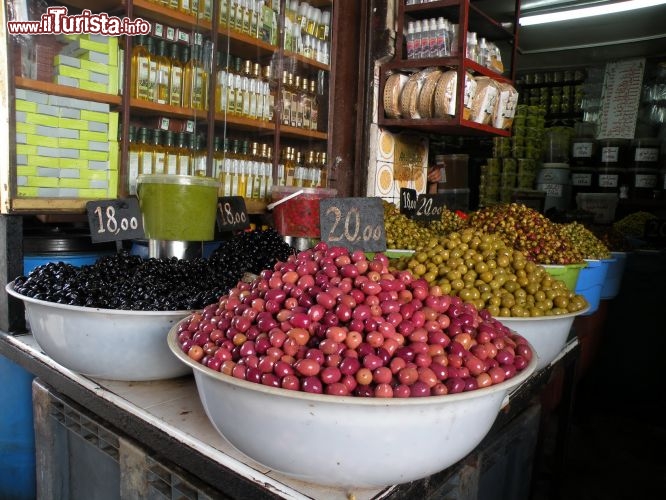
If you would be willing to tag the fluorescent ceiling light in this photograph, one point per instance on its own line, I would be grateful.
(567, 15)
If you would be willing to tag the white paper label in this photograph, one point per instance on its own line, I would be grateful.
(608, 180)
(582, 150)
(648, 181)
(646, 155)
(610, 154)
(552, 189)
(581, 180)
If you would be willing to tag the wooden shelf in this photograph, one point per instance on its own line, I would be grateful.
(412, 65)
(254, 207)
(484, 25)
(99, 5)
(442, 126)
(245, 46)
(48, 205)
(301, 133)
(242, 123)
(306, 61)
(65, 91)
(142, 107)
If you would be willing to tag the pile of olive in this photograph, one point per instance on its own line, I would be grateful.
(482, 270)
(585, 241)
(449, 222)
(129, 282)
(402, 232)
(633, 225)
(527, 230)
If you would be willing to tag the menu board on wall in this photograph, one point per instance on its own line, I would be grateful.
(620, 99)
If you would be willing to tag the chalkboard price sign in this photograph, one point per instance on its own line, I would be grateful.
(408, 199)
(354, 223)
(429, 207)
(114, 220)
(232, 213)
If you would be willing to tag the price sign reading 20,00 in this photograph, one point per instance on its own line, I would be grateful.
(355, 223)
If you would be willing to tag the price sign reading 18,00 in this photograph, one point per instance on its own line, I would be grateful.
(232, 213)
(114, 220)
(354, 223)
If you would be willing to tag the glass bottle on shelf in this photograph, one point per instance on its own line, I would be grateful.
(306, 103)
(290, 167)
(158, 152)
(245, 88)
(185, 6)
(287, 97)
(224, 13)
(140, 77)
(200, 156)
(145, 152)
(132, 160)
(297, 103)
(199, 80)
(187, 76)
(163, 68)
(152, 72)
(314, 106)
(171, 160)
(269, 94)
(238, 87)
(183, 154)
(227, 177)
(323, 170)
(221, 83)
(257, 106)
(176, 76)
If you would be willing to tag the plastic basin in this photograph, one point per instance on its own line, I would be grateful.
(104, 343)
(565, 272)
(366, 442)
(611, 286)
(590, 281)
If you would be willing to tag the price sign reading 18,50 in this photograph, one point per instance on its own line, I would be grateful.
(113, 220)
(354, 223)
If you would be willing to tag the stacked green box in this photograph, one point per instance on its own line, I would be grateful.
(88, 62)
(65, 147)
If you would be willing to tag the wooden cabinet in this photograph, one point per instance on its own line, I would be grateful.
(220, 44)
(469, 18)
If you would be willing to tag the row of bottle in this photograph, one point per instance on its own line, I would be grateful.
(169, 73)
(307, 30)
(198, 8)
(255, 18)
(243, 88)
(438, 37)
(435, 37)
(244, 168)
(300, 106)
(302, 169)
